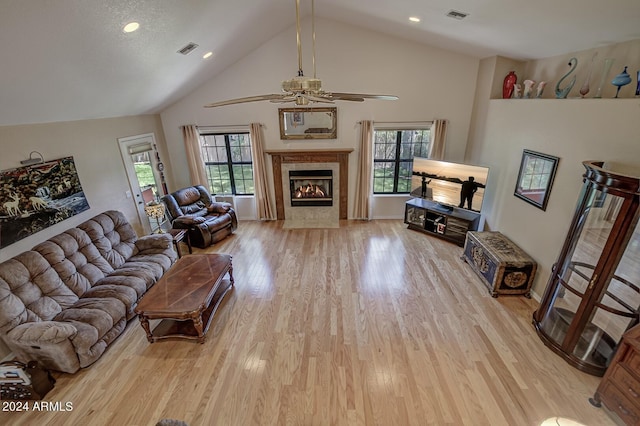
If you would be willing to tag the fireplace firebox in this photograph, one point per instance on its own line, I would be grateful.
(311, 187)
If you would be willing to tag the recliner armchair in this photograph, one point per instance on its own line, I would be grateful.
(207, 221)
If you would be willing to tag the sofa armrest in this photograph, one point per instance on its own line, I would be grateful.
(154, 242)
(43, 332)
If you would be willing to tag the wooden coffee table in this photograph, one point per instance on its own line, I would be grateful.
(186, 297)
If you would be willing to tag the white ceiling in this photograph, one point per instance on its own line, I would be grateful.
(69, 60)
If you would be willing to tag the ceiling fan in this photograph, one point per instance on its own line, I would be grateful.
(304, 90)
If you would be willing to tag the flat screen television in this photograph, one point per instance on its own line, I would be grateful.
(449, 184)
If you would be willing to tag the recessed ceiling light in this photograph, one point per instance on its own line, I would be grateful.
(414, 19)
(131, 27)
(207, 55)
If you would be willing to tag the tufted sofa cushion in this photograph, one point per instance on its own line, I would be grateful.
(113, 236)
(76, 259)
(94, 319)
(30, 291)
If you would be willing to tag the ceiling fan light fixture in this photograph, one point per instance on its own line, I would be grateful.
(302, 84)
(304, 90)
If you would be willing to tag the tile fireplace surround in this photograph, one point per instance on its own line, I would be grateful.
(299, 160)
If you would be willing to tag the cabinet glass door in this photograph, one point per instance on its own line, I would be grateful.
(593, 294)
(415, 216)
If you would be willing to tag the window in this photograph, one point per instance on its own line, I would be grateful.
(228, 163)
(393, 158)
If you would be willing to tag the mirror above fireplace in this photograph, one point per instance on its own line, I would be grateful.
(308, 123)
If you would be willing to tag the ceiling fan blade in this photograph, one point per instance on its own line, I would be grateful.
(346, 96)
(271, 97)
(323, 99)
(284, 99)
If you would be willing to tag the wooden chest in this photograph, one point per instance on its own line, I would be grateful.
(503, 266)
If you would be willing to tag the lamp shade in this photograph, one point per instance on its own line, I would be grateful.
(155, 211)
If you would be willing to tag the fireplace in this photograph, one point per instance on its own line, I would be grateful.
(286, 160)
(311, 188)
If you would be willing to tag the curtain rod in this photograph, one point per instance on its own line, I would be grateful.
(400, 122)
(226, 125)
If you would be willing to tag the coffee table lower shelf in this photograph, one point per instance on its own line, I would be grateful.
(186, 328)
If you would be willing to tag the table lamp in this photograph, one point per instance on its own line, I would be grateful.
(156, 211)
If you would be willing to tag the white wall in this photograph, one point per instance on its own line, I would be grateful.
(430, 82)
(94, 147)
(575, 130)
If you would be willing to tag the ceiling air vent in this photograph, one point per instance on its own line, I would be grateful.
(188, 48)
(457, 14)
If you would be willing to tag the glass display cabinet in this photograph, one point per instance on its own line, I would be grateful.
(593, 293)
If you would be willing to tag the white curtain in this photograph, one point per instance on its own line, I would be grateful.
(438, 139)
(362, 208)
(261, 188)
(194, 155)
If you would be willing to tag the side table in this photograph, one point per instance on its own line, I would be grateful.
(180, 236)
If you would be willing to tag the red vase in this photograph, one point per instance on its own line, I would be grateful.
(509, 82)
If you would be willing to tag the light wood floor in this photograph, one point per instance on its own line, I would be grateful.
(368, 324)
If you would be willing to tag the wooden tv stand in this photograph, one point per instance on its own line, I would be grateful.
(448, 223)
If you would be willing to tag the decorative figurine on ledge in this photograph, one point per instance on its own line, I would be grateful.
(508, 85)
(517, 91)
(540, 89)
(562, 93)
(608, 62)
(620, 80)
(528, 88)
(585, 86)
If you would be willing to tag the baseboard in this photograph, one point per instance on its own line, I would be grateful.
(535, 296)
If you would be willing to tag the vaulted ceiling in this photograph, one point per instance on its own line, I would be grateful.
(70, 60)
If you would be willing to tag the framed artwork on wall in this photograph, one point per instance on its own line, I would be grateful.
(535, 178)
(35, 197)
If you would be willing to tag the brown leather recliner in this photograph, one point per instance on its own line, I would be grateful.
(207, 221)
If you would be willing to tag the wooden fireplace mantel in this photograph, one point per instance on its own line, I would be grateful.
(340, 156)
